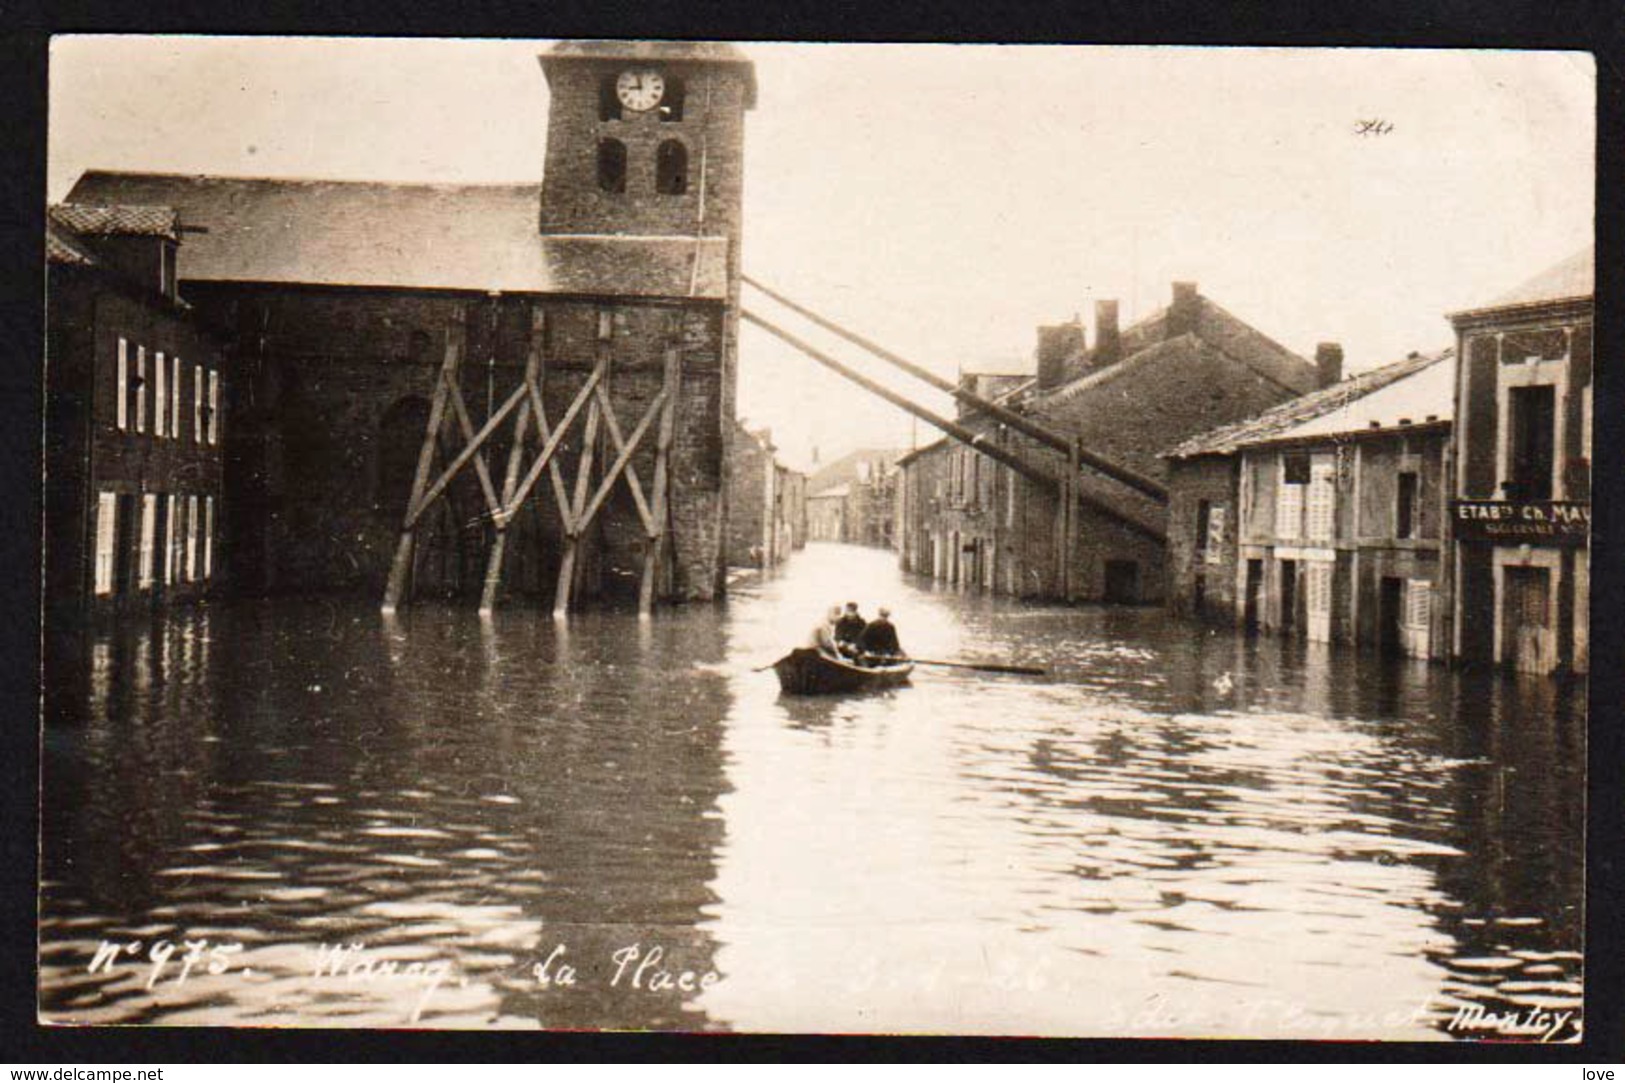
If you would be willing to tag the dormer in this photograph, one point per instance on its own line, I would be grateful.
(140, 244)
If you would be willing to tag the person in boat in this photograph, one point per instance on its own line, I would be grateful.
(822, 638)
(848, 629)
(877, 643)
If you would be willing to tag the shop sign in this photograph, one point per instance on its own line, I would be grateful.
(1511, 522)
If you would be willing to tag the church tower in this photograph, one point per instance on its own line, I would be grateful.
(643, 182)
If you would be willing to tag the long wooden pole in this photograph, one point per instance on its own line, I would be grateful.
(565, 593)
(1016, 421)
(516, 455)
(655, 545)
(974, 440)
(402, 566)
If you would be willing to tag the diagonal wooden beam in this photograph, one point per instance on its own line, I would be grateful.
(555, 437)
(460, 408)
(572, 542)
(471, 450)
(516, 458)
(555, 474)
(620, 445)
(622, 464)
(401, 567)
(652, 551)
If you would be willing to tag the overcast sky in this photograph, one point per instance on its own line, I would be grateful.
(946, 200)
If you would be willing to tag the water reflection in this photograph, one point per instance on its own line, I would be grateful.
(1175, 832)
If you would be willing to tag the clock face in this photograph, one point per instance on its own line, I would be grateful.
(640, 89)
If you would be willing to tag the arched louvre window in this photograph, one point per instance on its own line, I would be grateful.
(612, 165)
(671, 168)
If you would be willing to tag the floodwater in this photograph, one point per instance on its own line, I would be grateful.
(301, 813)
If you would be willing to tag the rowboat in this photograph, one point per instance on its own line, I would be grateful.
(807, 672)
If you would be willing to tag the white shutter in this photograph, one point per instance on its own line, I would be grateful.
(121, 411)
(214, 405)
(208, 537)
(106, 540)
(1288, 510)
(1322, 501)
(1418, 602)
(160, 398)
(197, 404)
(175, 398)
(140, 389)
(149, 530)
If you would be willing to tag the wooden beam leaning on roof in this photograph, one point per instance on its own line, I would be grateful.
(974, 440)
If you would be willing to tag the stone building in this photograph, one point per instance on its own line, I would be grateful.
(853, 499)
(1522, 515)
(134, 417)
(341, 303)
(1324, 518)
(766, 503)
(1184, 369)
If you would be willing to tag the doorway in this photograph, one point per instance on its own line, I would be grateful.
(1527, 643)
(1288, 621)
(1123, 582)
(1254, 596)
(1391, 616)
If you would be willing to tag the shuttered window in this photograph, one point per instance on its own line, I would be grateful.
(160, 396)
(1322, 501)
(214, 406)
(171, 535)
(175, 398)
(1319, 576)
(208, 537)
(106, 540)
(122, 407)
(197, 404)
(1418, 603)
(140, 389)
(192, 525)
(1289, 496)
(149, 531)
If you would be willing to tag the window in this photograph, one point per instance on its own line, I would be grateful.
(139, 387)
(1405, 506)
(171, 537)
(1215, 534)
(612, 165)
(1531, 456)
(609, 102)
(1418, 603)
(1289, 498)
(192, 525)
(214, 406)
(160, 397)
(208, 537)
(197, 404)
(671, 168)
(1204, 516)
(671, 104)
(149, 531)
(175, 398)
(106, 540)
(1322, 502)
(122, 408)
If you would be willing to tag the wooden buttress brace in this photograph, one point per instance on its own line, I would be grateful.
(578, 507)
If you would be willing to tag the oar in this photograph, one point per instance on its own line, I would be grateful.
(986, 667)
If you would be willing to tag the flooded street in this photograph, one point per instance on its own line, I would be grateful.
(435, 820)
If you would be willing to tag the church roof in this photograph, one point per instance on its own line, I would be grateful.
(406, 236)
(702, 52)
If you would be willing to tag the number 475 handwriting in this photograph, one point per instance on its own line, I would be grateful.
(214, 958)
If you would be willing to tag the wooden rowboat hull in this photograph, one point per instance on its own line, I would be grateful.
(806, 672)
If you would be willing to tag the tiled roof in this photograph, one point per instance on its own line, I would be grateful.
(1573, 278)
(117, 219)
(408, 236)
(1346, 407)
(62, 247)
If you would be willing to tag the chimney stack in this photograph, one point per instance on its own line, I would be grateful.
(1057, 345)
(1328, 363)
(1183, 311)
(1108, 343)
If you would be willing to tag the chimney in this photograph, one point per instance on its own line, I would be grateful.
(1183, 311)
(1328, 363)
(1058, 345)
(1108, 344)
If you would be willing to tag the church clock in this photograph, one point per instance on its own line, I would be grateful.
(640, 89)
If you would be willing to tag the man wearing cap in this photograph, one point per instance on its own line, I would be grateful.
(878, 640)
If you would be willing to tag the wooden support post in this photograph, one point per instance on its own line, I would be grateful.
(1069, 541)
(401, 569)
(516, 454)
(564, 595)
(670, 386)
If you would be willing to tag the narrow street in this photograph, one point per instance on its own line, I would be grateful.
(1176, 832)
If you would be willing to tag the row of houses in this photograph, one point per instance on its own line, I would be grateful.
(853, 499)
(767, 502)
(1436, 507)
